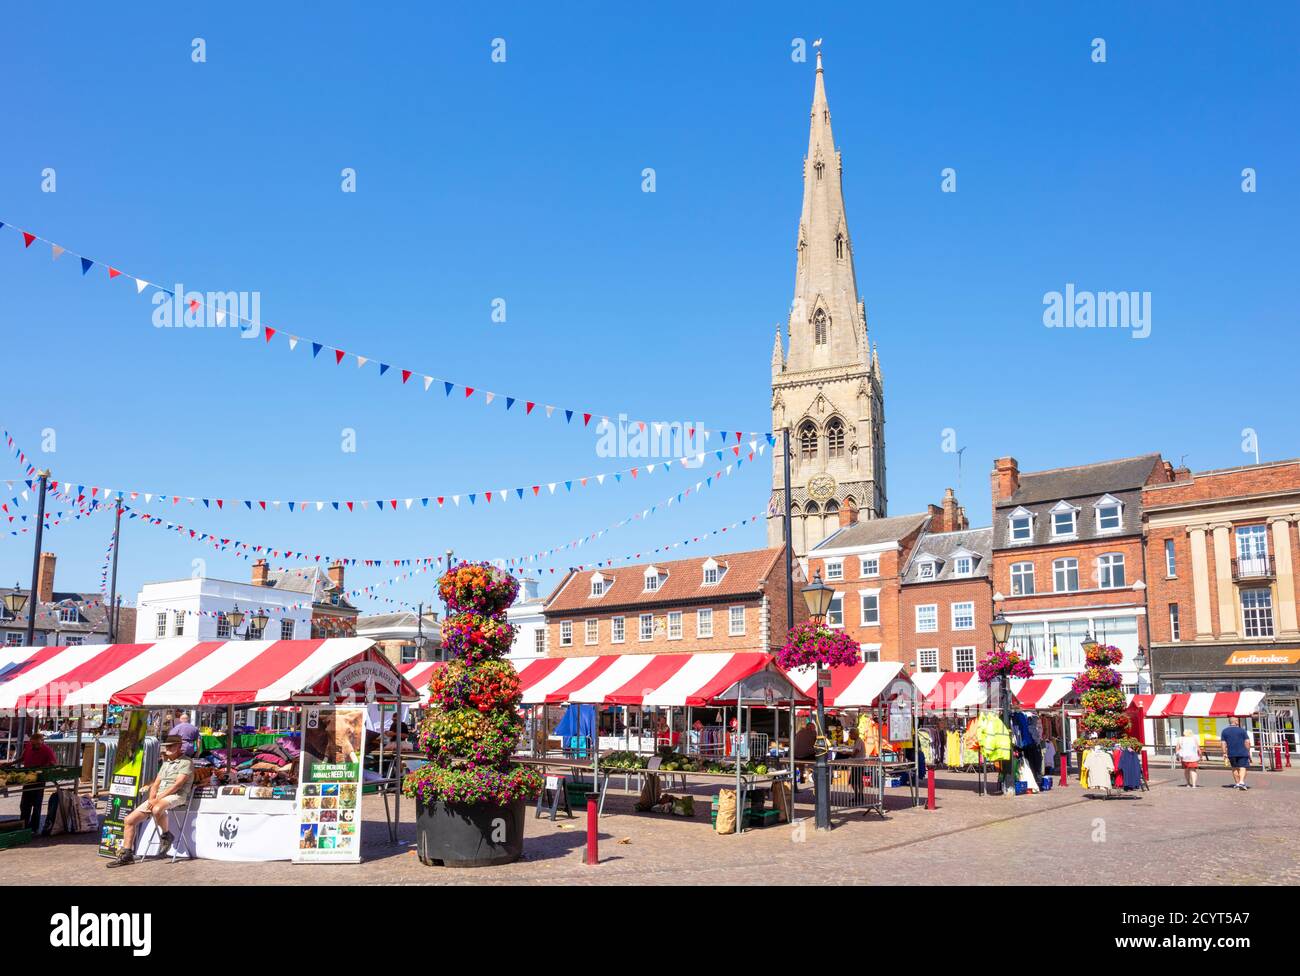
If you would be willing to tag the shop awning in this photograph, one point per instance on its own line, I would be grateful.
(181, 673)
(1034, 694)
(418, 674)
(657, 680)
(854, 686)
(949, 690)
(1199, 704)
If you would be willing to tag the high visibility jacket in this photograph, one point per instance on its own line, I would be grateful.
(993, 736)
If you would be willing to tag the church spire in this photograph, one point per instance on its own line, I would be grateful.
(827, 326)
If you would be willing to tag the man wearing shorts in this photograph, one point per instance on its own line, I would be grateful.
(1188, 750)
(169, 790)
(1236, 742)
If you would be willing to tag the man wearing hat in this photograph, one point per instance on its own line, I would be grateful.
(169, 789)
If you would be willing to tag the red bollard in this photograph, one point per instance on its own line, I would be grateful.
(593, 842)
(1145, 772)
(1287, 752)
(1065, 770)
(1277, 757)
(929, 789)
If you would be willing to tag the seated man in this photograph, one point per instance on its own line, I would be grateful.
(170, 789)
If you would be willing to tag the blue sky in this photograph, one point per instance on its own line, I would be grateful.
(522, 180)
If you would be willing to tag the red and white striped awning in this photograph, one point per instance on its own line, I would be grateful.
(181, 672)
(659, 680)
(853, 686)
(1207, 704)
(1037, 694)
(418, 674)
(949, 690)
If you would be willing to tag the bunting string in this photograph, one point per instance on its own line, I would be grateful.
(192, 303)
(78, 493)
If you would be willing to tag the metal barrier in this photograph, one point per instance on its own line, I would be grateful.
(856, 786)
(709, 742)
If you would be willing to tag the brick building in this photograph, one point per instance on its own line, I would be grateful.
(947, 599)
(884, 569)
(1222, 549)
(729, 602)
(63, 617)
(1068, 559)
(332, 614)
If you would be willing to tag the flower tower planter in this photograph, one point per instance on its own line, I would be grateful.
(1100, 691)
(470, 797)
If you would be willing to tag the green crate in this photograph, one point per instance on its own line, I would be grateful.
(15, 838)
(763, 818)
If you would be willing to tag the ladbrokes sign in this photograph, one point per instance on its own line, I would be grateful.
(1265, 658)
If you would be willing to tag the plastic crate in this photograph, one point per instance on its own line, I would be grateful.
(1047, 783)
(763, 818)
(1022, 788)
(15, 838)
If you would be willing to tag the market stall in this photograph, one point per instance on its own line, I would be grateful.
(241, 808)
(1209, 710)
(882, 700)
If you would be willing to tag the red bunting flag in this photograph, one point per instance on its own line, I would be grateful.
(536, 489)
(268, 333)
(194, 304)
(113, 272)
(529, 407)
(406, 375)
(28, 238)
(469, 391)
(338, 356)
(586, 419)
(349, 505)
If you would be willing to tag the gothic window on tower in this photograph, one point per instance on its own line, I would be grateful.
(808, 442)
(839, 246)
(817, 168)
(820, 327)
(835, 438)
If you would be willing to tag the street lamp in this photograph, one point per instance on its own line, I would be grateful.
(818, 599)
(15, 601)
(235, 618)
(1001, 628)
(258, 623)
(1140, 663)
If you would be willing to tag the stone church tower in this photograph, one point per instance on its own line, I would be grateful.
(826, 386)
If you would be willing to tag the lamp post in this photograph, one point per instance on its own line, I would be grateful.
(818, 597)
(44, 478)
(257, 622)
(1001, 628)
(1140, 663)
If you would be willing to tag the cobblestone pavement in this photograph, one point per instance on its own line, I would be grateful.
(1169, 835)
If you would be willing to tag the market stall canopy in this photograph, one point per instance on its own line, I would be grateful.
(657, 680)
(182, 673)
(950, 690)
(418, 674)
(1035, 694)
(859, 685)
(1224, 704)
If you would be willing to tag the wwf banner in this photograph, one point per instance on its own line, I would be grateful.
(125, 783)
(329, 784)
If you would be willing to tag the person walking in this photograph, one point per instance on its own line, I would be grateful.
(1236, 741)
(1187, 748)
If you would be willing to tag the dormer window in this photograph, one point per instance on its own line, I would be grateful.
(1110, 513)
(69, 615)
(599, 584)
(963, 566)
(653, 578)
(713, 571)
(1021, 524)
(1065, 521)
(925, 569)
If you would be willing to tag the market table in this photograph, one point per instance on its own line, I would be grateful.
(243, 740)
(229, 828)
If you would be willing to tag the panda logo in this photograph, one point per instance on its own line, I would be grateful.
(229, 828)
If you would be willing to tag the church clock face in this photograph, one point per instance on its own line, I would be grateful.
(821, 487)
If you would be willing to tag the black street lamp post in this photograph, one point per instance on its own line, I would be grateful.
(818, 598)
(1001, 628)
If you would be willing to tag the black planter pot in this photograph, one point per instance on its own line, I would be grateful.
(470, 835)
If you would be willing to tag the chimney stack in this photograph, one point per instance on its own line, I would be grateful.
(259, 572)
(1006, 478)
(848, 514)
(954, 516)
(336, 574)
(45, 578)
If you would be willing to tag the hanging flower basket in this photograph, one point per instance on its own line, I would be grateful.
(811, 644)
(1004, 664)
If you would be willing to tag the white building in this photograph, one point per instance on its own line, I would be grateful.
(530, 626)
(197, 608)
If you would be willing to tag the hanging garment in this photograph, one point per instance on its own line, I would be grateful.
(869, 733)
(1083, 775)
(1098, 766)
(1020, 734)
(1130, 767)
(971, 739)
(1036, 727)
(953, 751)
(1049, 755)
(993, 736)
(927, 748)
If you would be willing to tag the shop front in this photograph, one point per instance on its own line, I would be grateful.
(1273, 669)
